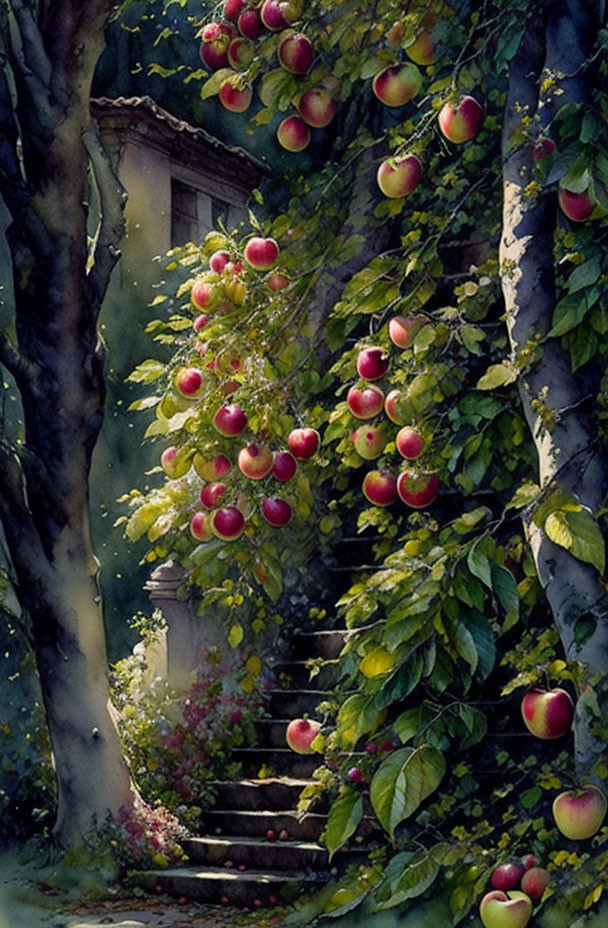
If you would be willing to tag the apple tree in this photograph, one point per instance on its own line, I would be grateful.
(53, 168)
(435, 309)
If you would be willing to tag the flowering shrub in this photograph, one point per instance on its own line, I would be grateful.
(143, 835)
(177, 746)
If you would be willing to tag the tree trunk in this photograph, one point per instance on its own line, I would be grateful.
(58, 366)
(558, 37)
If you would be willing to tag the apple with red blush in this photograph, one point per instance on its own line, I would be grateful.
(369, 442)
(317, 107)
(398, 177)
(417, 490)
(200, 322)
(409, 443)
(215, 39)
(508, 875)
(576, 206)
(397, 84)
(218, 261)
(579, 813)
(402, 330)
(541, 148)
(204, 295)
(391, 407)
(241, 52)
(547, 713)
(249, 24)
(189, 382)
(172, 466)
(372, 363)
(255, 461)
(380, 487)
(295, 53)
(462, 122)
(230, 420)
(200, 527)
(261, 253)
(301, 733)
(534, 882)
(284, 466)
(211, 470)
(276, 511)
(278, 281)
(235, 100)
(505, 910)
(293, 134)
(228, 523)
(233, 8)
(365, 403)
(211, 494)
(303, 443)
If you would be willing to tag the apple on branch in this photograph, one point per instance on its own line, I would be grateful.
(380, 487)
(317, 107)
(402, 330)
(230, 420)
(189, 382)
(461, 123)
(505, 910)
(255, 461)
(508, 875)
(372, 363)
(200, 527)
(211, 494)
(300, 735)
(295, 53)
(170, 465)
(233, 99)
(303, 443)
(397, 84)
(293, 134)
(276, 511)
(241, 52)
(365, 403)
(417, 490)
(228, 524)
(398, 177)
(215, 39)
(261, 253)
(409, 443)
(576, 206)
(547, 714)
(284, 466)
(249, 24)
(579, 813)
(369, 442)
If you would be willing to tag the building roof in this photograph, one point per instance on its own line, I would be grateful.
(142, 116)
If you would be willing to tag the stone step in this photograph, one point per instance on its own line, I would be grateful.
(271, 732)
(297, 674)
(327, 644)
(276, 762)
(259, 795)
(238, 888)
(293, 704)
(251, 824)
(256, 853)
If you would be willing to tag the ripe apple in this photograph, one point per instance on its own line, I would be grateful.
(317, 107)
(576, 206)
(293, 134)
(261, 253)
(380, 487)
(365, 403)
(168, 464)
(547, 714)
(230, 420)
(228, 523)
(534, 882)
(391, 407)
(369, 442)
(200, 322)
(212, 470)
(417, 490)
(505, 910)
(397, 84)
(272, 15)
(211, 494)
(399, 177)
(278, 281)
(529, 861)
(461, 123)
(218, 261)
(541, 148)
(402, 330)
(284, 466)
(355, 775)
(301, 733)
(507, 876)
(215, 39)
(372, 363)
(199, 527)
(410, 443)
(303, 443)
(189, 382)
(579, 813)
(276, 511)
(295, 53)
(203, 295)
(240, 52)
(234, 100)
(232, 8)
(249, 24)
(255, 461)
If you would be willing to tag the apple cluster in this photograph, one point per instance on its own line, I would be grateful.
(230, 44)
(576, 205)
(381, 487)
(517, 886)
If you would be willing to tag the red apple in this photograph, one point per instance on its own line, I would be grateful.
(365, 403)
(534, 882)
(272, 15)
(410, 444)
(417, 490)
(303, 443)
(228, 523)
(284, 466)
(261, 253)
(579, 813)
(355, 775)
(505, 910)
(249, 24)
(234, 100)
(380, 487)
(189, 382)
(240, 53)
(293, 134)
(541, 148)
(203, 294)
(218, 261)
(200, 322)
(402, 330)
(369, 442)
(212, 470)
(232, 8)
(211, 494)
(300, 735)
(199, 527)
(397, 84)
(276, 511)
(167, 462)
(399, 177)
(278, 281)
(255, 461)
(216, 38)
(547, 714)
(529, 861)
(507, 876)
(317, 107)
(372, 363)
(295, 53)
(463, 122)
(391, 404)
(576, 206)
(230, 420)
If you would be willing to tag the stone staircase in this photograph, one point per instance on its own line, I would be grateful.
(234, 862)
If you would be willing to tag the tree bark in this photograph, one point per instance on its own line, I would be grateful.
(50, 51)
(557, 37)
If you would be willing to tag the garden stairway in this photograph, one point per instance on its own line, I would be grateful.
(234, 861)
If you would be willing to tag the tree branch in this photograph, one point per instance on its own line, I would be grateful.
(34, 57)
(14, 362)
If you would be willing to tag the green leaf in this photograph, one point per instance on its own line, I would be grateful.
(585, 274)
(376, 663)
(462, 640)
(578, 533)
(497, 375)
(412, 721)
(505, 588)
(403, 781)
(343, 820)
(215, 83)
(419, 873)
(571, 310)
(147, 371)
(557, 499)
(479, 564)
